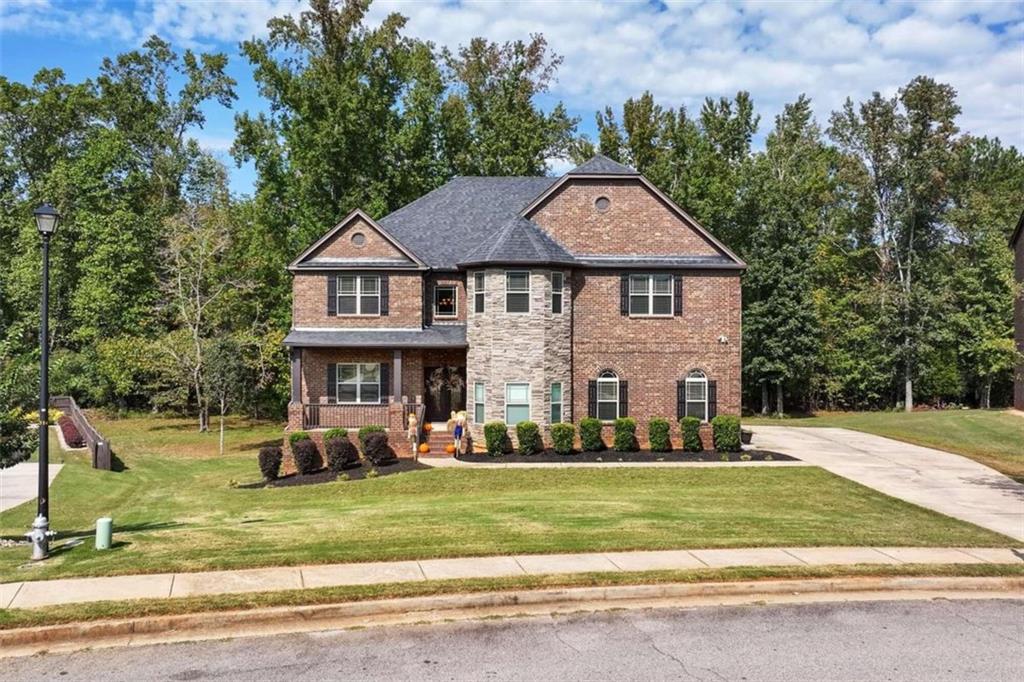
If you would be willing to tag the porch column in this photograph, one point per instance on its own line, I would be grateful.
(296, 375)
(396, 376)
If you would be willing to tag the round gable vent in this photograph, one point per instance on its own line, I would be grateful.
(359, 239)
(602, 204)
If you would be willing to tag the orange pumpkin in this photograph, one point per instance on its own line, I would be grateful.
(424, 448)
(450, 449)
(428, 427)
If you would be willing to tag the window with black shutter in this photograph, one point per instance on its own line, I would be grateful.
(677, 295)
(385, 295)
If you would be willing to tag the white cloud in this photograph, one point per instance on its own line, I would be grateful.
(681, 51)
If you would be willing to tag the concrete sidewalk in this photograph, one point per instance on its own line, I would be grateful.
(34, 594)
(949, 484)
(19, 483)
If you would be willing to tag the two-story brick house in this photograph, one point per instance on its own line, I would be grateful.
(541, 298)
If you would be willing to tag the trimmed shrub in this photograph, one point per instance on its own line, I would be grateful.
(335, 433)
(377, 449)
(725, 428)
(270, 462)
(562, 436)
(296, 436)
(625, 435)
(528, 435)
(590, 435)
(70, 432)
(341, 453)
(496, 438)
(690, 426)
(307, 456)
(366, 431)
(657, 433)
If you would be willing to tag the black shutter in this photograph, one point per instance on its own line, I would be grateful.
(332, 295)
(680, 399)
(623, 398)
(624, 295)
(428, 304)
(592, 398)
(677, 295)
(712, 400)
(385, 382)
(383, 294)
(332, 383)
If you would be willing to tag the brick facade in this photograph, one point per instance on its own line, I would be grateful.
(405, 303)
(375, 245)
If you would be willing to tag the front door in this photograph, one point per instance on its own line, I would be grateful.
(445, 391)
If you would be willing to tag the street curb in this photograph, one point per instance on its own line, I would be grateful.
(441, 608)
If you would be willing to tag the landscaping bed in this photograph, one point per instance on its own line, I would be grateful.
(609, 456)
(327, 475)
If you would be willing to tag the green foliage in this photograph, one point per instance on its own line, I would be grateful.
(690, 428)
(335, 433)
(658, 435)
(725, 431)
(17, 440)
(528, 436)
(270, 462)
(296, 436)
(341, 453)
(625, 435)
(496, 438)
(307, 457)
(562, 437)
(590, 435)
(377, 449)
(366, 431)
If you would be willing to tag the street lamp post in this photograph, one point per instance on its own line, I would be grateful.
(46, 223)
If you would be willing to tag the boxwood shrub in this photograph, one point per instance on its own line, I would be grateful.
(496, 438)
(377, 450)
(341, 453)
(625, 435)
(528, 435)
(366, 431)
(590, 435)
(562, 437)
(657, 434)
(296, 436)
(307, 456)
(690, 426)
(270, 462)
(335, 433)
(725, 429)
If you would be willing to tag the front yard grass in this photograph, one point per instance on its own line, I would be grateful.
(174, 510)
(994, 438)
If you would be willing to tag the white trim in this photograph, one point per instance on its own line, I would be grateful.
(455, 288)
(479, 291)
(481, 403)
(529, 400)
(357, 213)
(651, 294)
(528, 292)
(696, 376)
(359, 383)
(614, 378)
(560, 403)
(358, 294)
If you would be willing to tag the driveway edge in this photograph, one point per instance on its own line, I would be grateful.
(440, 608)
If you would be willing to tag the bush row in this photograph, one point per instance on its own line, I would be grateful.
(339, 452)
(725, 430)
(70, 432)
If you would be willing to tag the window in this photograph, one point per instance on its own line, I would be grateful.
(359, 295)
(479, 287)
(556, 402)
(697, 395)
(478, 403)
(608, 396)
(358, 383)
(517, 403)
(650, 295)
(445, 300)
(517, 292)
(557, 285)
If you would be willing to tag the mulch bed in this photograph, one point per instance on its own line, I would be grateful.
(639, 456)
(327, 476)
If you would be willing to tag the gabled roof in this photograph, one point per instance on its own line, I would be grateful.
(305, 262)
(518, 241)
(1017, 232)
(602, 165)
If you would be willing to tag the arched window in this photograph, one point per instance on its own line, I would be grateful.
(607, 396)
(697, 395)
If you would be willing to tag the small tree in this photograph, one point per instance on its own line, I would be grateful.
(224, 377)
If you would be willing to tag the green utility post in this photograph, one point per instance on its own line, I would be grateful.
(104, 532)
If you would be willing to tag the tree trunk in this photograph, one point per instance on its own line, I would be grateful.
(778, 398)
(223, 406)
(764, 398)
(908, 398)
(986, 394)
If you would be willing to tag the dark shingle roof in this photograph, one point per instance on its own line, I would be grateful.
(438, 336)
(633, 261)
(602, 165)
(444, 226)
(518, 241)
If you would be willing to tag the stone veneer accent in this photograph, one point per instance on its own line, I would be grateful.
(532, 347)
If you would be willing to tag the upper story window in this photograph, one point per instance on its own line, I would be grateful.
(359, 295)
(479, 287)
(650, 295)
(517, 291)
(557, 286)
(697, 395)
(446, 300)
(608, 396)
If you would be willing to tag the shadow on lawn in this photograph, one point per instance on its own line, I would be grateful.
(91, 532)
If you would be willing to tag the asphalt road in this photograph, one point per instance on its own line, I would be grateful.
(937, 640)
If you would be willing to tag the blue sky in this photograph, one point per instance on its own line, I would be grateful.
(681, 51)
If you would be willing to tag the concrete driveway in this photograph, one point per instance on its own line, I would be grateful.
(947, 483)
(19, 483)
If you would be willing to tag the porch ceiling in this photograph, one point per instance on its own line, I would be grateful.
(440, 336)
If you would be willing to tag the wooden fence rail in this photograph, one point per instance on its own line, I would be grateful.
(99, 447)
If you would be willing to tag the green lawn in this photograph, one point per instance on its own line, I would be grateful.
(993, 437)
(174, 509)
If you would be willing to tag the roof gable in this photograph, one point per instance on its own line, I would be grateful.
(337, 248)
(600, 164)
(518, 241)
